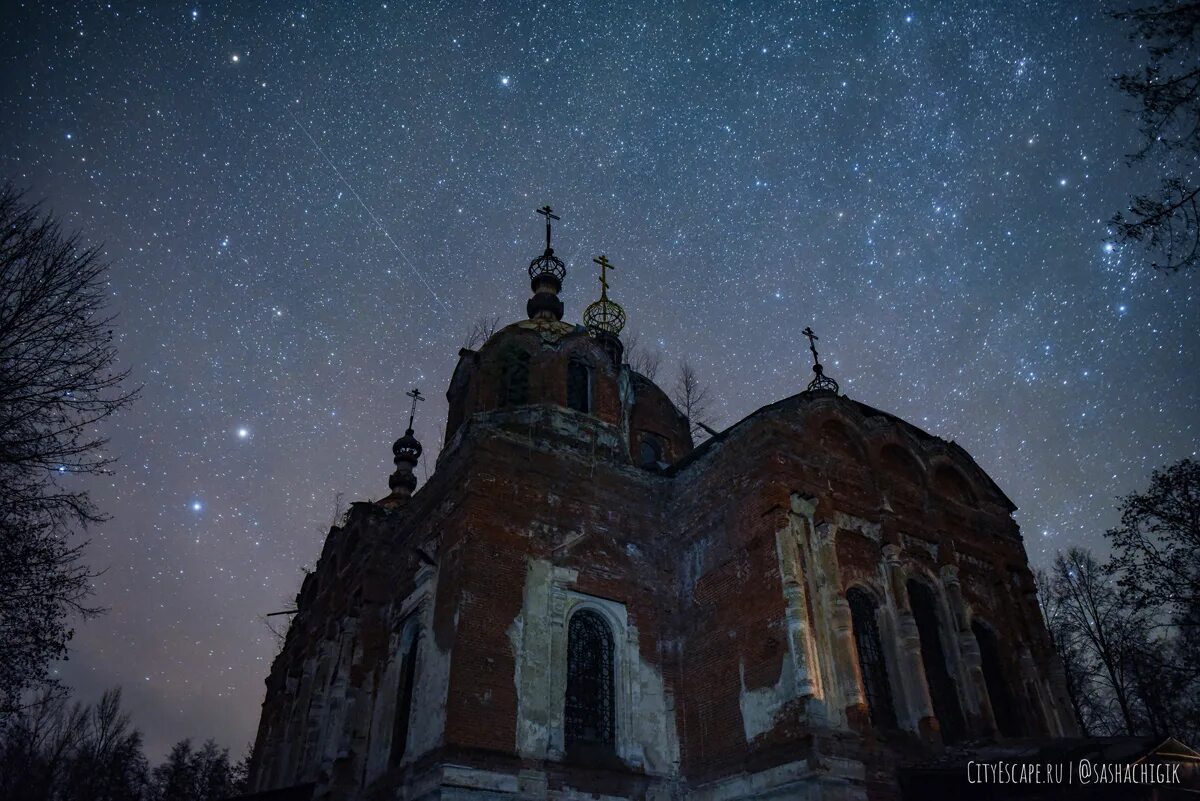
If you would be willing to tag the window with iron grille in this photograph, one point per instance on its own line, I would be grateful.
(864, 617)
(942, 690)
(404, 699)
(579, 386)
(589, 714)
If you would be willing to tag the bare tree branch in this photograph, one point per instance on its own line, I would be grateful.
(58, 381)
(481, 331)
(1167, 90)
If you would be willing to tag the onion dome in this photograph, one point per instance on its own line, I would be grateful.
(546, 274)
(406, 452)
(605, 318)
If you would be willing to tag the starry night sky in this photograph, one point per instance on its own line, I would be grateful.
(305, 209)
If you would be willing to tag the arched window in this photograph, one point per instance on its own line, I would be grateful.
(942, 690)
(404, 698)
(1003, 707)
(514, 376)
(579, 386)
(650, 452)
(863, 616)
(589, 714)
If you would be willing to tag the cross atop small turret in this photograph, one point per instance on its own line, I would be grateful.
(812, 340)
(549, 214)
(820, 380)
(416, 395)
(605, 266)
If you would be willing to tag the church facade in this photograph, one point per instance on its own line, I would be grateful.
(580, 603)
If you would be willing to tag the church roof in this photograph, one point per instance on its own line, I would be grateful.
(860, 408)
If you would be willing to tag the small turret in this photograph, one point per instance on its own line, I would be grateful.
(605, 318)
(546, 274)
(406, 452)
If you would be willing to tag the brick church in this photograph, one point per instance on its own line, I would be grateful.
(580, 602)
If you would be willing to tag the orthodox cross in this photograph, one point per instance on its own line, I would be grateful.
(820, 380)
(416, 395)
(812, 339)
(549, 214)
(605, 266)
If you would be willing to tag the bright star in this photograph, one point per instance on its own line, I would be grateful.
(243, 433)
(504, 79)
(196, 506)
(235, 58)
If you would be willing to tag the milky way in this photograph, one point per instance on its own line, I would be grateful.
(305, 209)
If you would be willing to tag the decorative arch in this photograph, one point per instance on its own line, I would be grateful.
(872, 664)
(899, 462)
(949, 482)
(590, 707)
(834, 432)
(943, 691)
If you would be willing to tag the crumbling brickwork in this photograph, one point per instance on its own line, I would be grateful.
(430, 654)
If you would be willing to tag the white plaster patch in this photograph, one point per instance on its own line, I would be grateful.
(478, 779)
(645, 714)
(761, 707)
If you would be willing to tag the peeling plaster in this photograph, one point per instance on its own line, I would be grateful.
(645, 712)
(761, 707)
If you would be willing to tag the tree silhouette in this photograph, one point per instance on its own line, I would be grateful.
(1167, 91)
(55, 751)
(692, 397)
(1155, 547)
(641, 358)
(57, 383)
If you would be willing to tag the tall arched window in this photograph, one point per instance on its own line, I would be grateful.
(590, 713)
(863, 616)
(404, 698)
(579, 386)
(1004, 709)
(514, 376)
(942, 690)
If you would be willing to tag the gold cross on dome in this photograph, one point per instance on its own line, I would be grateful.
(605, 266)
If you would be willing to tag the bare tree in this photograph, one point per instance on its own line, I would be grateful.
(1102, 635)
(1155, 546)
(55, 751)
(1167, 220)
(204, 774)
(639, 357)
(481, 331)
(1070, 651)
(693, 398)
(57, 383)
